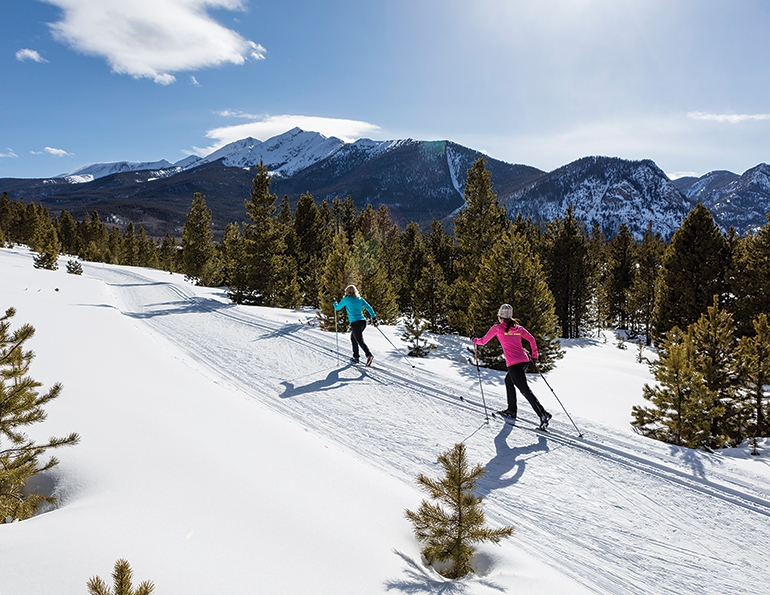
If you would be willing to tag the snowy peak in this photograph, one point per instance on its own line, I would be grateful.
(738, 201)
(606, 190)
(284, 155)
(100, 170)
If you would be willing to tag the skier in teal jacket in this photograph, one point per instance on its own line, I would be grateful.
(355, 305)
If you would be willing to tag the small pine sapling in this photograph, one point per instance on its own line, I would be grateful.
(121, 576)
(448, 533)
(413, 335)
(74, 267)
(45, 260)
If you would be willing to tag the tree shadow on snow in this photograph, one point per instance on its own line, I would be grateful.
(419, 579)
(332, 381)
(182, 306)
(509, 463)
(692, 458)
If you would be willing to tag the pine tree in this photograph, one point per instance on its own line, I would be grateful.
(21, 405)
(752, 279)
(10, 215)
(283, 288)
(197, 240)
(374, 283)
(599, 304)
(263, 239)
(28, 223)
(167, 254)
(450, 527)
(68, 234)
(440, 246)
(692, 273)
(46, 243)
(94, 240)
(312, 246)
(236, 268)
(620, 275)
(116, 253)
(406, 259)
(681, 411)
(338, 273)
(754, 358)
(431, 296)
(642, 294)
(568, 266)
(714, 356)
(414, 335)
(130, 248)
(147, 250)
(74, 267)
(511, 273)
(122, 576)
(344, 217)
(477, 227)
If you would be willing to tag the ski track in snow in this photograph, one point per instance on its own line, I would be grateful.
(649, 522)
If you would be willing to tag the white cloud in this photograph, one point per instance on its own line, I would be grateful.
(265, 127)
(27, 54)
(153, 38)
(727, 118)
(194, 81)
(10, 153)
(54, 152)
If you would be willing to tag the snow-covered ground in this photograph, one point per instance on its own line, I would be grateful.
(229, 450)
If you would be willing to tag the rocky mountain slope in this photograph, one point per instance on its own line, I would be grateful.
(606, 190)
(417, 180)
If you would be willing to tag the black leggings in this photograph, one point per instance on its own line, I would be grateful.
(516, 378)
(357, 337)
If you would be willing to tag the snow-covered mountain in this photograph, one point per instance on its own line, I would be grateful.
(607, 190)
(284, 155)
(101, 170)
(739, 201)
(417, 180)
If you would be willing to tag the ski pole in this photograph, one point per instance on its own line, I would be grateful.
(478, 370)
(377, 326)
(580, 434)
(336, 336)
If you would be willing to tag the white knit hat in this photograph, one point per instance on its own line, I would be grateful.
(505, 311)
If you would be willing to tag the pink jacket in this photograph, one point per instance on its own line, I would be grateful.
(511, 342)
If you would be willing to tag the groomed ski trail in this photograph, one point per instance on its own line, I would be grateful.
(686, 526)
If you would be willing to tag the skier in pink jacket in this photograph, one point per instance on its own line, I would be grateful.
(510, 334)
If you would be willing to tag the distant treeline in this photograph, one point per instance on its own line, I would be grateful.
(563, 280)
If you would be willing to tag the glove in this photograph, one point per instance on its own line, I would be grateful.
(375, 322)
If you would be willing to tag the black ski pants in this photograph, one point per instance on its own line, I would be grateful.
(357, 338)
(517, 378)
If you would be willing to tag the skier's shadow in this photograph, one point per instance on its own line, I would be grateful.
(508, 464)
(332, 381)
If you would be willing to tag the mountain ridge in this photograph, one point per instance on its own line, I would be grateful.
(417, 180)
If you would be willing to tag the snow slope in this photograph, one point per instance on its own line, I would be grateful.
(228, 449)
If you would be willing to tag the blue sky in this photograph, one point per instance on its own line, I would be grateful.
(685, 83)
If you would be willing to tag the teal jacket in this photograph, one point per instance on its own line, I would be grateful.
(355, 307)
